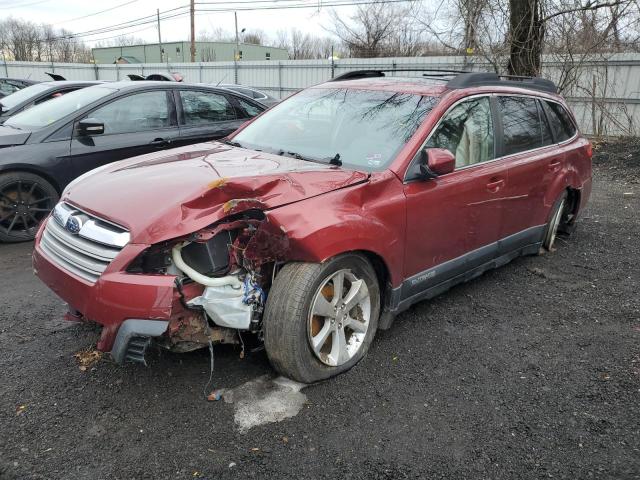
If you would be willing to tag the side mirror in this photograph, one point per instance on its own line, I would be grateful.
(90, 126)
(437, 161)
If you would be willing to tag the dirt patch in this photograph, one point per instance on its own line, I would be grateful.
(618, 159)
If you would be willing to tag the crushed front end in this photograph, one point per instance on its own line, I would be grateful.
(181, 294)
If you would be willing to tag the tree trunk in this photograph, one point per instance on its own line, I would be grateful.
(526, 33)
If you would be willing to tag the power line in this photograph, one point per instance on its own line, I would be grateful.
(21, 5)
(125, 25)
(230, 6)
(98, 13)
(335, 3)
(131, 23)
(121, 34)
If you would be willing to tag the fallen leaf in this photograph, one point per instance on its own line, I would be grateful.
(88, 357)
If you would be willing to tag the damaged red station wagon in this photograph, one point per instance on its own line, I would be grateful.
(316, 223)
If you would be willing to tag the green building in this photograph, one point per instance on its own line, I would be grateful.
(179, 52)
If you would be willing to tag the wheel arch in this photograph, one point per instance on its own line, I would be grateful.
(574, 198)
(34, 171)
(569, 183)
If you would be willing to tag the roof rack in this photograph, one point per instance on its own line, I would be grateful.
(467, 80)
(356, 74)
(461, 79)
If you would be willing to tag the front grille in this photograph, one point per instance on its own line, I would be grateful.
(85, 246)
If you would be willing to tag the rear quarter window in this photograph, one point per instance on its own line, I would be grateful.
(250, 109)
(560, 121)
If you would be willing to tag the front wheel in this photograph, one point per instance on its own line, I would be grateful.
(321, 318)
(25, 200)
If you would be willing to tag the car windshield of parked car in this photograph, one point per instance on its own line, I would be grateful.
(50, 112)
(363, 129)
(20, 96)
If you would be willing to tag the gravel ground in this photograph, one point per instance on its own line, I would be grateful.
(531, 371)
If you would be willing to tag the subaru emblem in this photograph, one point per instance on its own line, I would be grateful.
(73, 224)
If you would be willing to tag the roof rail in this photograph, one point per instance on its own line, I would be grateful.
(461, 78)
(356, 74)
(466, 80)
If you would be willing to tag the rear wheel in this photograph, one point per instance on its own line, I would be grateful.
(321, 318)
(557, 215)
(25, 200)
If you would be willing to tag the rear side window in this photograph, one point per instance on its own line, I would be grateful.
(251, 109)
(467, 132)
(203, 108)
(547, 136)
(54, 95)
(7, 88)
(560, 121)
(521, 124)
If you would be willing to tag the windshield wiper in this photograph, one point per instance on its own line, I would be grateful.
(336, 160)
(232, 143)
(332, 161)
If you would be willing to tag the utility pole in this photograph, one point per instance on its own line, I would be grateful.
(193, 31)
(236, 55)
(159, 35)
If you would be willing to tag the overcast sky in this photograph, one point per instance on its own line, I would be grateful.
(65, 13)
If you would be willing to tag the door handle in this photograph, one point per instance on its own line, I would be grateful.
(495, 184)
(160, 142)
(554, 165)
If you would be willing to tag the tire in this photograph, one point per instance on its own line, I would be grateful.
(25, 200)
(555, 222)
(289, 328)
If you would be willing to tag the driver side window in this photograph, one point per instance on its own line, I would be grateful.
(467, 132)
(134, 113)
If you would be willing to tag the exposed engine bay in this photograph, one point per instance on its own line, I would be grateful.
(223, 274)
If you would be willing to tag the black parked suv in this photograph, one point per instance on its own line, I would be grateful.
(42, 149)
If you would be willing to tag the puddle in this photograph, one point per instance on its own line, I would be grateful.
(265, 400)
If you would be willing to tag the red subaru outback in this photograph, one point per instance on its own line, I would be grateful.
(316, 223)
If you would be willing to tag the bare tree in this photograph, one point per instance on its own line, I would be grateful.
(254, 37)
(526, 33)
(303, 46)
(121, 41)
(217, 34)
(22, 40)
(368, 32)
(527, 27)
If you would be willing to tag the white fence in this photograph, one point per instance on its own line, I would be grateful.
(605, 96)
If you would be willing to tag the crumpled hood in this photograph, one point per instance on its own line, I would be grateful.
(177, 192)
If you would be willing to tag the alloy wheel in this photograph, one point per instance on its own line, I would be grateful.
(339, 318)
(23, 205)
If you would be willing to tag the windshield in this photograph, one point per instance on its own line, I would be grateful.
(20, 96)
(364, 129)
(49, 112)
